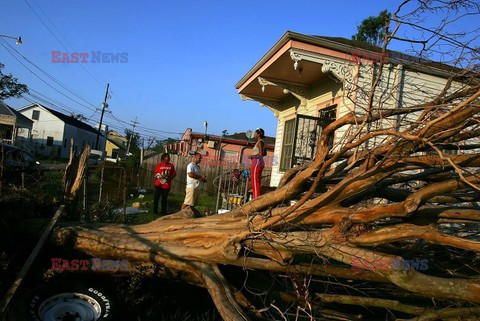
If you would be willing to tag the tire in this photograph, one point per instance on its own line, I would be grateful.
(61, 301)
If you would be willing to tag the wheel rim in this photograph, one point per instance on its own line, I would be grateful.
(70, 307)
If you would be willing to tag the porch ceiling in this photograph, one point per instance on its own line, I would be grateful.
(307, 74)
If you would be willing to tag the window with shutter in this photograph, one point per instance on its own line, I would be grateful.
(287, 145)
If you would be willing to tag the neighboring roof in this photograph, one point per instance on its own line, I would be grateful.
(21, 118)
(346, 46)
(117, 141)
(269, 140)
(67, 119)
(116, 134)
(7, 110)
(237, 138)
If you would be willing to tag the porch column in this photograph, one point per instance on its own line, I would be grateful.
(14, 134)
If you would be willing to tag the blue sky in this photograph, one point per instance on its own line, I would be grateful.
(184, 57)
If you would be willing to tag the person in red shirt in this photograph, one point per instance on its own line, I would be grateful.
(164, 174)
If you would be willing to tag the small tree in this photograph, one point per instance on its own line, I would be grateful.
(9, 86)
(80, 117)
(161, 145)
(372, 29)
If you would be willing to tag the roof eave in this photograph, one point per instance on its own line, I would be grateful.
(279, 44)
(326, 43)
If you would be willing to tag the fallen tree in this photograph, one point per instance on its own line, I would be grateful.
(366, 214)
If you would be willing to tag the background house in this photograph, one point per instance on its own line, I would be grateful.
(231, 148)
(12, 123)
(52, 131)
(116, 145)
(309, 81)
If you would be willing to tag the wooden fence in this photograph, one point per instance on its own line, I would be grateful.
(208, 167)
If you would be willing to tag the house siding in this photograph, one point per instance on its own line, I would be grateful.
(49, 125)
(46, 126)
(81, 138)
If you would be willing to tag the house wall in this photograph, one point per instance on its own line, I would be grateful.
(109, 148)
(7, 120)
(7, 123)
(399, 87)
(81, 138)
(46, 126)
(49, 125)
(230, 152)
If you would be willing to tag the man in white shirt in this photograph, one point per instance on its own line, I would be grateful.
(193, 181)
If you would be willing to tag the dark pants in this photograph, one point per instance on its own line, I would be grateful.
(164, 194)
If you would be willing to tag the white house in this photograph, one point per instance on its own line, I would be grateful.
(309, 81)
(53, 130)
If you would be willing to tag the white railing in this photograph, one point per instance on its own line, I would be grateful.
(232, 189)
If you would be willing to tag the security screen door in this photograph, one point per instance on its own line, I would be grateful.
(301, 136)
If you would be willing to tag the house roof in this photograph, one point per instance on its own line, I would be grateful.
(355, 44)
(346, 46)
(7, 110)
(67, 119)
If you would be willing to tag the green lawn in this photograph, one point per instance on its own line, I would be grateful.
(175, 201)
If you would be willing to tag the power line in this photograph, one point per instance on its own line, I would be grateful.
(59, 41)
(146, 129)
(50, 76)
(41, 79)
(58, 82)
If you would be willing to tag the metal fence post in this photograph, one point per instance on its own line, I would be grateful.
(219, 193)
(124, 216)
(101, 186)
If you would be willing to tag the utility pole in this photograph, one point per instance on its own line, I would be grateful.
(101, 116)
(134, 123)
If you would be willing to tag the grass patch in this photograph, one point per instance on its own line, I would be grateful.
(175, 201)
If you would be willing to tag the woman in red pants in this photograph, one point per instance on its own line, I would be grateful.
(257, 162)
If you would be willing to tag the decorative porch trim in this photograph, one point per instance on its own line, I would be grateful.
(272, 104)
(343, 70)
(299, 91)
